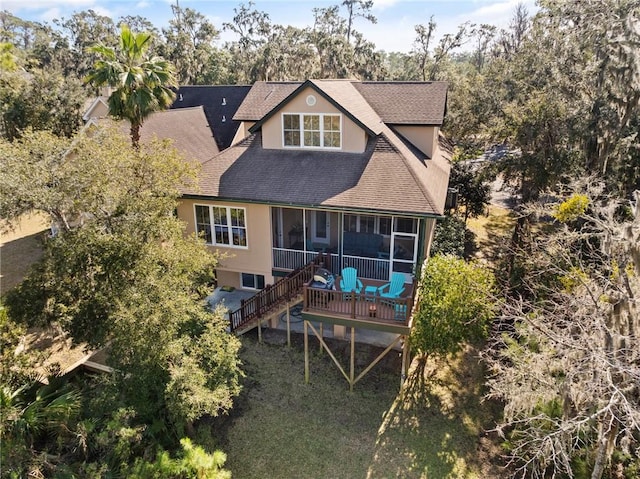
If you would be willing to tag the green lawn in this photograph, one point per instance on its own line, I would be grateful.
(284, 428)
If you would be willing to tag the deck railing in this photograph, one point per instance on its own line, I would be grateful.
(272, 296)
(357, 305)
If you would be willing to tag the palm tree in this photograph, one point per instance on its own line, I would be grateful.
(142, 84)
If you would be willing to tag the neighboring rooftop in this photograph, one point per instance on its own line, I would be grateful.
(220, 103)
(187, 127)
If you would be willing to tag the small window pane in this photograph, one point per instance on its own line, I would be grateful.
(203, 223)
(311, 138)
(291, 128)
(291, 138)
(220, 216)
(331, 123)
(222, 235)
(252, 281)
(291, 122)
(237, 217)
(312, 122)
(332, 140)
(239, 238)
(248, 280)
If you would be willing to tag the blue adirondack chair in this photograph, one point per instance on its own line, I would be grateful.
(349, 281)
(394, 288)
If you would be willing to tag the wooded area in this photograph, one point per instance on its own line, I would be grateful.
(559, 91)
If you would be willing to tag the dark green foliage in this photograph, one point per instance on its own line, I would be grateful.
(120, 272)
(456, 305)
(450, 237)
(141, 83)
(37, 425)
(474, 190)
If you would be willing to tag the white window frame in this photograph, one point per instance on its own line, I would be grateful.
(255, 281)
(321, 117)
(229, 226)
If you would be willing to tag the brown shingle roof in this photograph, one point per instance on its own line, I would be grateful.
(409, 103)
(187, 127)
(262, 98)
(379, 179)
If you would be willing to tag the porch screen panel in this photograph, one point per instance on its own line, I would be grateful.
(221, 225)
(405, 225)
(350, 222)
(203, 223)
(367, 224)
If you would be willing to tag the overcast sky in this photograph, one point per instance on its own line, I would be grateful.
(393, 32)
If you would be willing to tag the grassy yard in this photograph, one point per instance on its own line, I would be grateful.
(282, 427)
(492, 232)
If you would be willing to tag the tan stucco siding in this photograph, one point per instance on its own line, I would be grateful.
(255, 258)
(354, 138)
(425, 138)
(242, 131)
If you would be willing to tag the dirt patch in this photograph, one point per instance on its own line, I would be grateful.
(54, 349)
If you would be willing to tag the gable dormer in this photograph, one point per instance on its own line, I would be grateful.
(310, 121)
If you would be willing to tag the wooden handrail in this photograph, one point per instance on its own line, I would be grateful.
(273, 295)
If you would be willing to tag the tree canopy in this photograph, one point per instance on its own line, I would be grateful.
(141, 83)
(120, 273)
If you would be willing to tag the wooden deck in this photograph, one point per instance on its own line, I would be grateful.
(359, 310)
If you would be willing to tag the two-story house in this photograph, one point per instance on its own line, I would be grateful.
(356, 170)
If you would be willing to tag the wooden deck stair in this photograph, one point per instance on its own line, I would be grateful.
(272, 300)
(277, 310)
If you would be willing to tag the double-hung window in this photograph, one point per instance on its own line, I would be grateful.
(221, 225)
(312, 131)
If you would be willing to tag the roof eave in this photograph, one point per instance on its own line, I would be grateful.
(346, 209)
(305, 84)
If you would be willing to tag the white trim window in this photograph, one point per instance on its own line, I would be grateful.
(312, 130)
(222, 225)
(251, 281)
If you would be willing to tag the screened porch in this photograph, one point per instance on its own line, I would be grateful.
(375, 245)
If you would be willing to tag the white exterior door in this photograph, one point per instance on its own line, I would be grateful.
(320, 227)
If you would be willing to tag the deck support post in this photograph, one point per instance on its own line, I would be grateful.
(321, 335)
(404, 369)
(352, 371)
(260, 330)
(288, 325)
(306, 353)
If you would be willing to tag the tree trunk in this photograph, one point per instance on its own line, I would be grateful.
(135, 135)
